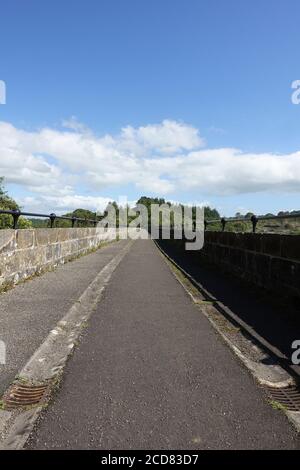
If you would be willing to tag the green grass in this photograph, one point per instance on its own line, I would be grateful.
(277, 406)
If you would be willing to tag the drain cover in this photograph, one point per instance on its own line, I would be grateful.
(20, 395)
(289, 397)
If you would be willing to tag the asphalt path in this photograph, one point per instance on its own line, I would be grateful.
(31, 309)
(150, 372)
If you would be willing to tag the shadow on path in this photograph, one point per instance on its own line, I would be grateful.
(254, 306)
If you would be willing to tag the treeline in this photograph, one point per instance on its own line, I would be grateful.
(209, 214)
(248, 215)
(79, 213)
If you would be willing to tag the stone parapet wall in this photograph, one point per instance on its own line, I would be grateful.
(24, 253)
(271, 261)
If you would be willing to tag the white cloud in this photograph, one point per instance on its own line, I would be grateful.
(46, 204)
(75, 125)
(165, 159)
(167, 137)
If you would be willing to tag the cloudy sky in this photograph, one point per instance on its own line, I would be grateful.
(185, 100)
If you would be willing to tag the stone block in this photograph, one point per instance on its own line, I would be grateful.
(290, 247)
(42, 236)
(271, 244)
(7, 240)
(24, 239)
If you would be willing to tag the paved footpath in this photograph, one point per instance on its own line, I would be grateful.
(30, 310)
(150, 372)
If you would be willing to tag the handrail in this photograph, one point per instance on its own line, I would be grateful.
(223, 221)
(52, 217)
(253, 219)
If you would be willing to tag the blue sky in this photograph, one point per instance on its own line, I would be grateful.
(216, 73)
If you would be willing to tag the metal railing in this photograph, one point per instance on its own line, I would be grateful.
(52, 217)
(223, 221)
(253, 220)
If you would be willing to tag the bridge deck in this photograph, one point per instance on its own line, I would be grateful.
(150, 372)
(30, 310)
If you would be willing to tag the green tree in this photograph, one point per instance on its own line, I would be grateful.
(80, 214)
(211, 214)
(9, 204)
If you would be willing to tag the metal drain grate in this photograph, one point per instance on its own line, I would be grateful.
(20, 395)
(289, 397)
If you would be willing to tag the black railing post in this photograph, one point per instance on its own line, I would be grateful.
(254, 221)
(205, 225)
(52, 220)
(16, 214)
(223, 222)
(73, 221)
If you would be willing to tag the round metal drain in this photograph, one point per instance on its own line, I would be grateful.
(20, 395)
(289, 397)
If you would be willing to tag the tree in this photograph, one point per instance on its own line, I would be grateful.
(9, 204)
(283, 213)
(211, 214)
(81, 214)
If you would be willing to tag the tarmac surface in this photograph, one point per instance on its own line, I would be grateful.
(31, 309)
(150, 372)
(261, 311)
